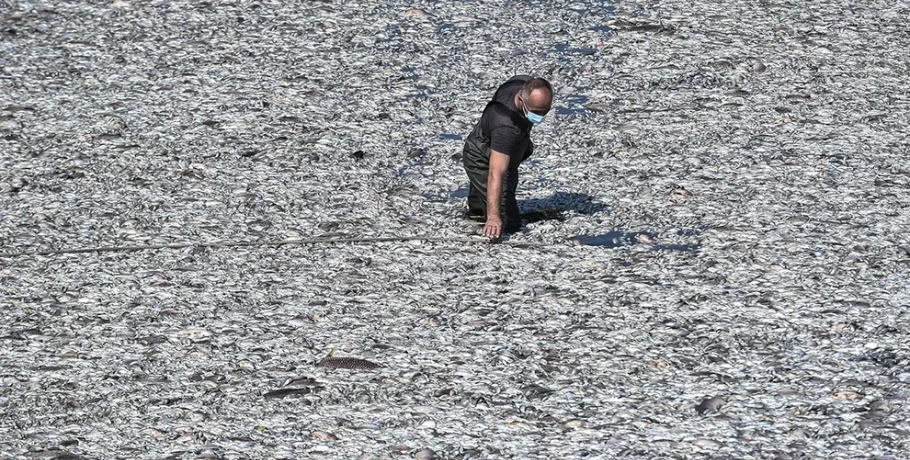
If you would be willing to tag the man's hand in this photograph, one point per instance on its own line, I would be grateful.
(493, 227)
(499, 164)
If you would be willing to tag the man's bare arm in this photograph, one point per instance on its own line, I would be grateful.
(499, 165)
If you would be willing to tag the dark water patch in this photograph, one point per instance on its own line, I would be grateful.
(445, 27)
(542, 215)
(392, 40)
(410, 73)
(450, 136)
(461, 193)
(421, 92)
(474, 217)
(691, 231)
(604, 28)
(573, 104)
(565, 48)
(565, 201)
(613, 239)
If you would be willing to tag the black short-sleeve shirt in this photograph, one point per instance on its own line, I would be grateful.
(509, 131)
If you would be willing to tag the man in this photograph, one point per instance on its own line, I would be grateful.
(499, 143)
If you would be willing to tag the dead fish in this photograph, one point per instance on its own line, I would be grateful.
(425, 454)
(331, 362)
(639, 25)
(193, 172)
(535, 391)
(300, 381)
(758, 66)
(798, 97)
(680, 192)
(846, 395)
(284, 392)
(712, 404)
(54, 454)
(118, 125)
(18, 108)
(103, 136)
(706, 443)
(417, 152)
(322, 436)
(417, 13)
(17, 184)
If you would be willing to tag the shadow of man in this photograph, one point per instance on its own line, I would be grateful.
(555, 207)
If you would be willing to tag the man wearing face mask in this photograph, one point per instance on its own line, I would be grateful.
(499, 143)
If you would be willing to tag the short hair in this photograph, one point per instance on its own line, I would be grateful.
(535, 84)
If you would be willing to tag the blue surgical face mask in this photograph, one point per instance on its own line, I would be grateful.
(535, 118)
(532, 117)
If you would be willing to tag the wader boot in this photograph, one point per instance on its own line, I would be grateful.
(476, 159)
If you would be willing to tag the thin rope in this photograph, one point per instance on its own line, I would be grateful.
(288, 242)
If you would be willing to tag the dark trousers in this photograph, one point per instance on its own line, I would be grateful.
(476, 159)
(477, 196)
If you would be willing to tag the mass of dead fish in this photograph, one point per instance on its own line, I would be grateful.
(712, 264)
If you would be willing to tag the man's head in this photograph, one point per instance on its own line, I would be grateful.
(536, 98)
